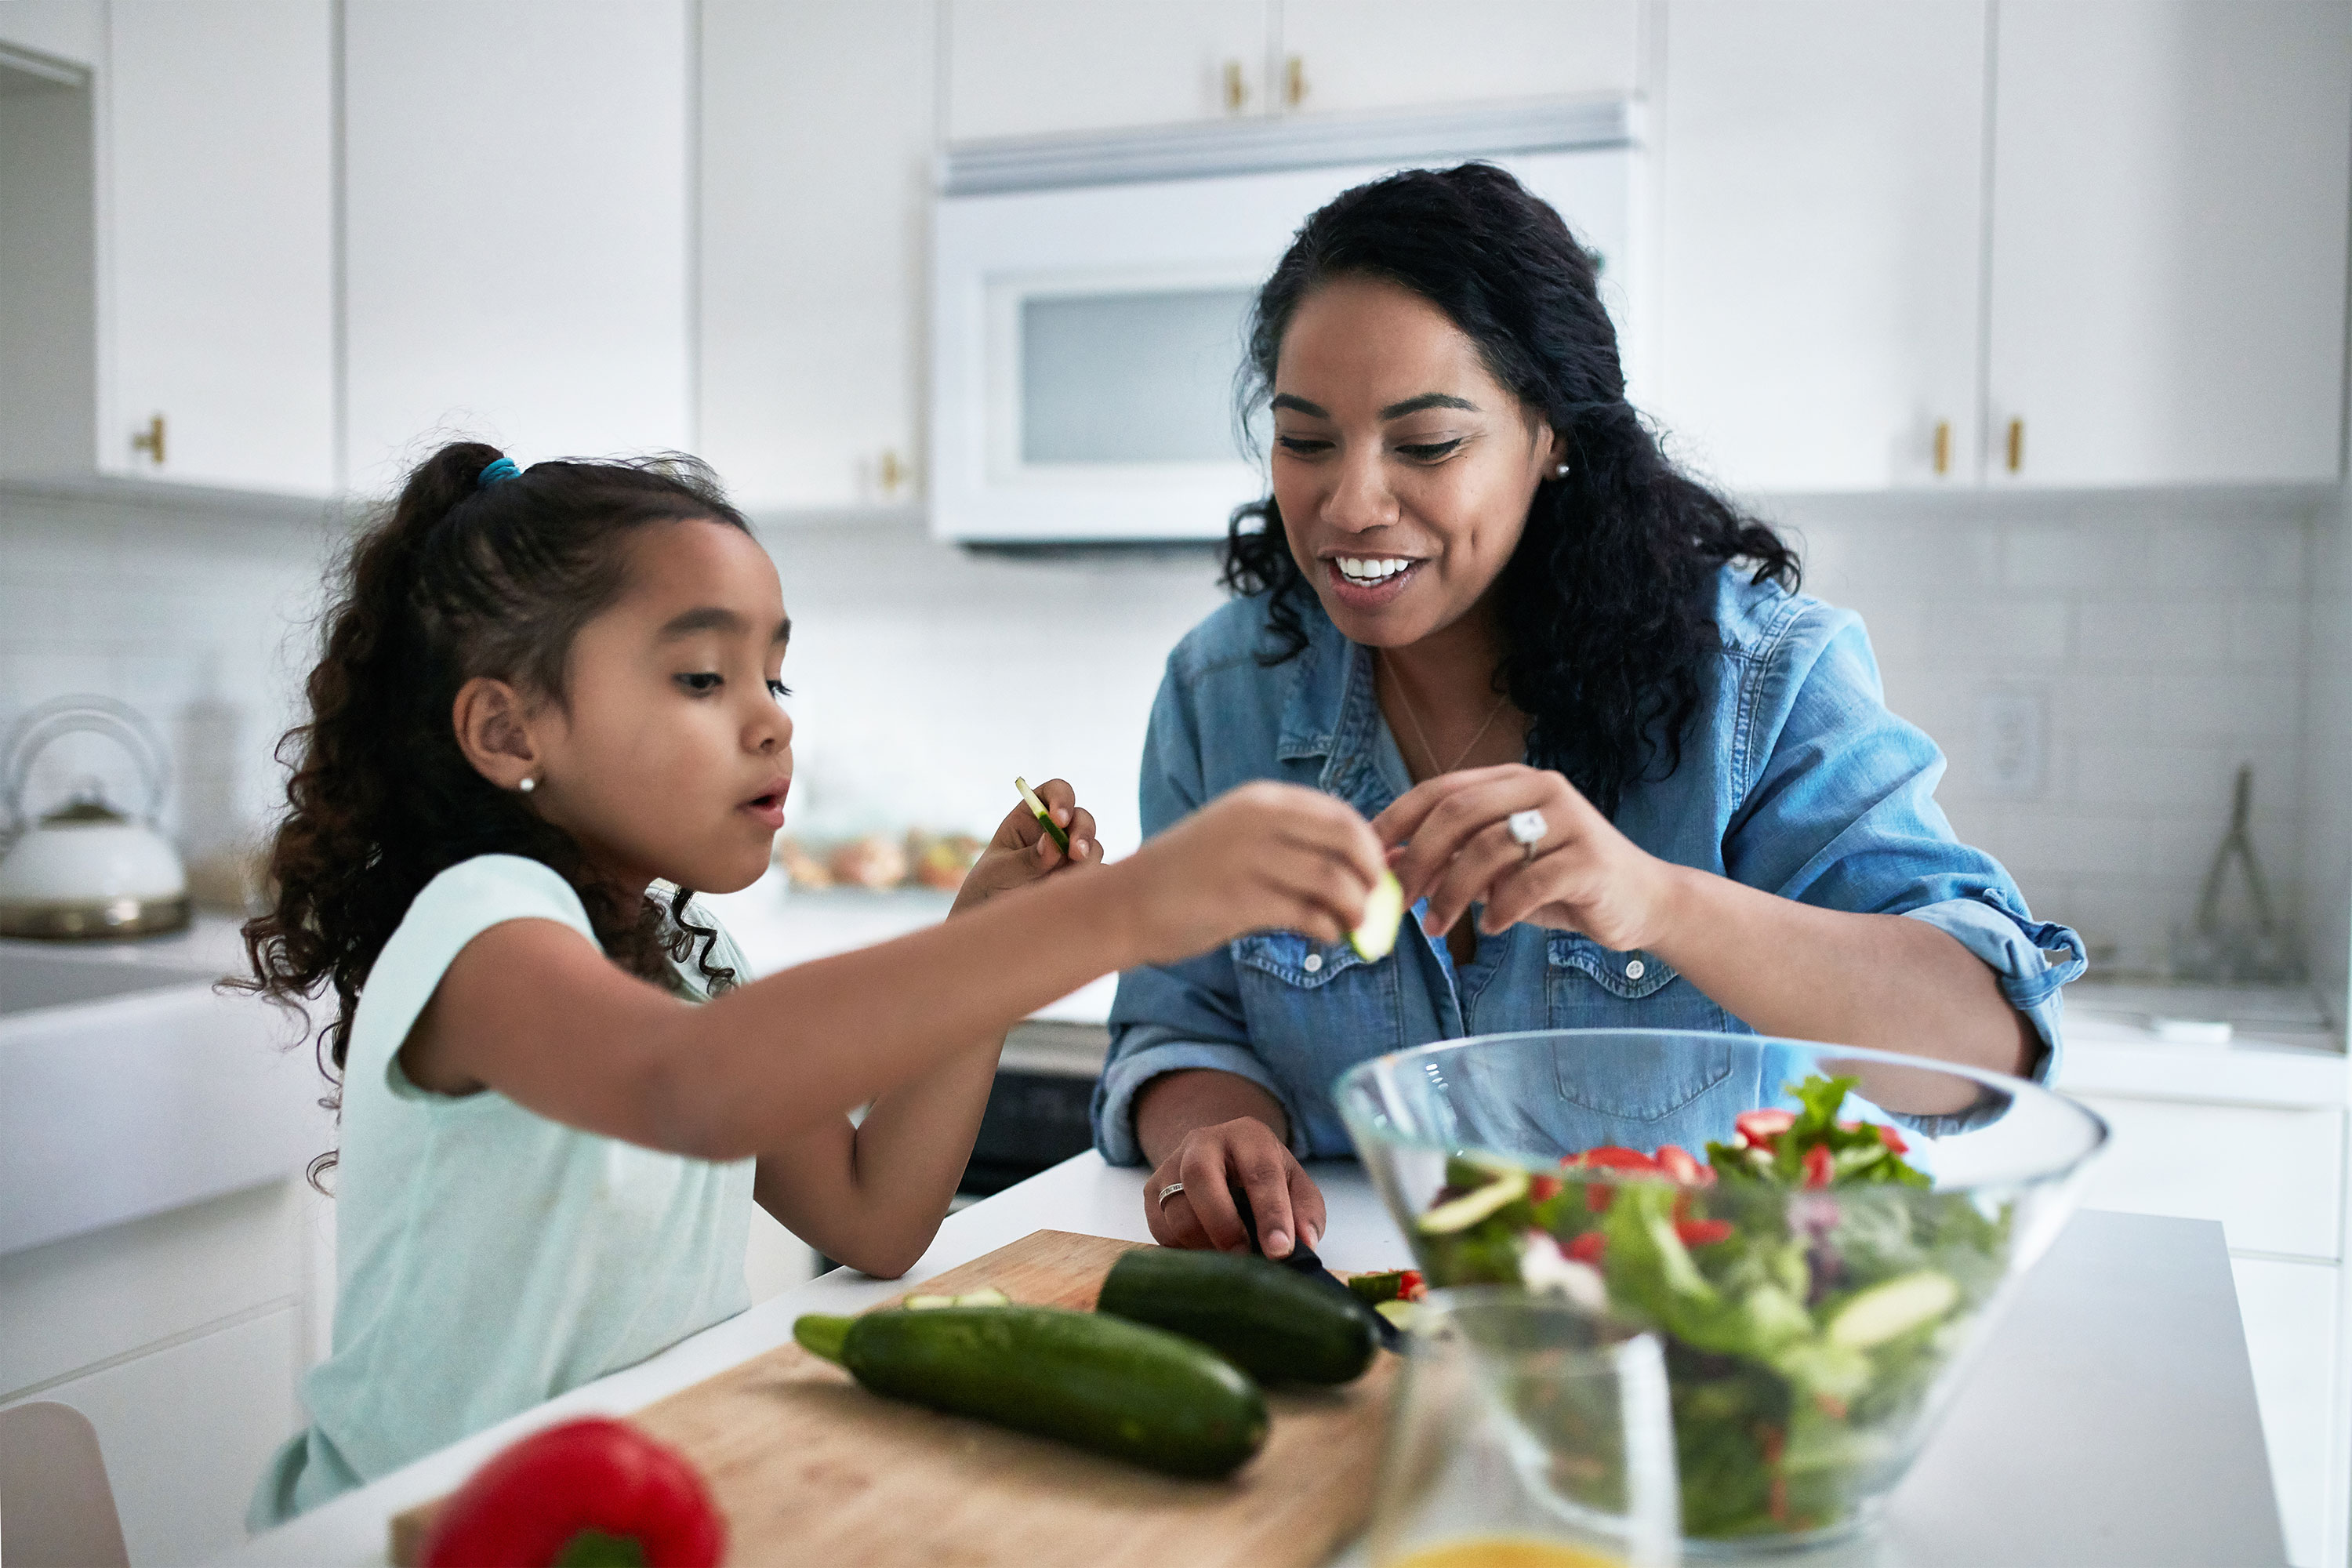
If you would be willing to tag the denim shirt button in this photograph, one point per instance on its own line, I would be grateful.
(1635, 969)
(1312, 963)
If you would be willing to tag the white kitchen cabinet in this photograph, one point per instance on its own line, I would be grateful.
(1026, 68)
(816, 138)
(518, 228)
(2290, 1310)
(69, 31)
(1822, 214)
(2167, 241)
(183, 1338)
(216, 319)
(1366, 55)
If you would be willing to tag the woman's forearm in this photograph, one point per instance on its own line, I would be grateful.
(1175, 1103)
(1882, 982)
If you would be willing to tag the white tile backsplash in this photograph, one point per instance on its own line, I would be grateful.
(2163, 639)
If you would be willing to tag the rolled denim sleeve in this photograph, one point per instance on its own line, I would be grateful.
(1841, 814)
(1172, 1018)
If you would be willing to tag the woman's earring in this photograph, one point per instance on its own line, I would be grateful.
(529, 784)
(1560, 471)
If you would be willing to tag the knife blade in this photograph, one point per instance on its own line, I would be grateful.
(1303, 1261)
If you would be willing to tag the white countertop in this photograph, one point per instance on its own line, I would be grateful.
(2110, 1420)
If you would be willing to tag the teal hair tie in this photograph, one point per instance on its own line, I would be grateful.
(502, 469)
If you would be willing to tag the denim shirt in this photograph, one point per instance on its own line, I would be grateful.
(1794, 778)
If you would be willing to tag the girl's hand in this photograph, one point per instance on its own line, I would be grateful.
(1213, 1162)
(1023, 852)
(1585, 876)
(1264, 857)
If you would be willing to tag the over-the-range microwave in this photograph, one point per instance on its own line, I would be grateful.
(1089, 295)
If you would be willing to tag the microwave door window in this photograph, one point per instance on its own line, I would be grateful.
(1143, 377)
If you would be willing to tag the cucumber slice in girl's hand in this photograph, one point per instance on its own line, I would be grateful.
(1383, 912)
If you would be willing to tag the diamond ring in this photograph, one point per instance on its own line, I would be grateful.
(1527, 829)
(1170, 1191)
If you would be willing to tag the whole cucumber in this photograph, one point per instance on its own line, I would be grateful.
(1274, 1325)
(1096, 1382)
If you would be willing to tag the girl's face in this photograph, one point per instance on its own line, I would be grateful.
(672, 756)
(1403, 470)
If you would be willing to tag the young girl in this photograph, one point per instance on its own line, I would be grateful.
(546, 710)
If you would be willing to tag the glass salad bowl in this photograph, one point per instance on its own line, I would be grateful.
(1817, 1234)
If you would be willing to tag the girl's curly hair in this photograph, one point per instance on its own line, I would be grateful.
(1605, 604)
(455, 580)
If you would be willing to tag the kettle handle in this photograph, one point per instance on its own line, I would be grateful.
(38, 726)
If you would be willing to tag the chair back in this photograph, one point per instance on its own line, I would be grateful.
(56, 1510)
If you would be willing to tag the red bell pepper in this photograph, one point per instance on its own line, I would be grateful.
(587, 1492)
(1757, 1128)
(1586, 1248)
(1819, 1165)
(1702, 1232)
(1542, 1188)
(1684, 1166)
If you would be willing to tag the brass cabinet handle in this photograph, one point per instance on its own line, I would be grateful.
(1237, 90)
(890, 473)
(150, 440)
(1293, 82)
(1943, 448)
(2016, 444)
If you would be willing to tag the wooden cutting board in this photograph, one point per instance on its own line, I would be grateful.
(809, 1468)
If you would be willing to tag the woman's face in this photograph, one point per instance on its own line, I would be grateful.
(1402, 468)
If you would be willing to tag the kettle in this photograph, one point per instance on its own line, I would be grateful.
(87, 869)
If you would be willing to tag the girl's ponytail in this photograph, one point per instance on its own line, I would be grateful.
(457, 578)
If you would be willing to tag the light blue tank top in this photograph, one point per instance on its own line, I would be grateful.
(486, 1258)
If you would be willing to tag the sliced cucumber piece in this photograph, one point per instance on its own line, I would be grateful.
(1462, 1213)
(1397, 1312)
(1383, 912)
(1045, 817)
(985, 1297)
(1891, 1310)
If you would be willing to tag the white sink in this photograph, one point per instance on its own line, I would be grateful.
(128, 1088)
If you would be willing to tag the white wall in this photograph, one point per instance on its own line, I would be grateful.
(2163, 635)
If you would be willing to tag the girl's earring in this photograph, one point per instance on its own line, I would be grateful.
(529, 784)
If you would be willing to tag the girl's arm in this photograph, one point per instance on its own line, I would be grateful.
(872, 1194)
(535, 1010)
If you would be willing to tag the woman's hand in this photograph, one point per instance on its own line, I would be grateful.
(1023, 852)
(1214, 1163)
(1264, 857)
(1585, 876)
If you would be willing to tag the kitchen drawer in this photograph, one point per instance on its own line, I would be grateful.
(2274, 1178)
(2290, 1314)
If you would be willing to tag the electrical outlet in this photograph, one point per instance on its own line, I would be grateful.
(2013, 741)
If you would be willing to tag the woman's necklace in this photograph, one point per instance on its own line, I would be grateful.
(1422, 735)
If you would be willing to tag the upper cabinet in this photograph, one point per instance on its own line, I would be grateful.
(2168, 255)
(218, 222)
(2042, 243)
(1823, 219)
(817, 132)
(1019, 68)
(517, 228)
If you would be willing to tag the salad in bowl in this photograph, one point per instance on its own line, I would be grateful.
(1817, 1272)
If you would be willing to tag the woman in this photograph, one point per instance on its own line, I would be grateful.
(1637, 780)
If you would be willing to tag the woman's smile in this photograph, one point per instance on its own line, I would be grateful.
(1369, 582)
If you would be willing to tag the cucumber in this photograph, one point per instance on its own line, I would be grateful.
(1383, 912)
(1460, 1214)
(1096, 1382)
(1275, 1325)
(1045, 817)
(1891, 1310)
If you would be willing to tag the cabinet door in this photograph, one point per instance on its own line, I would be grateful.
(516, 229)
(186, 1429)
(2289, 1315)
(1822, 223)
(1023, 68)
(217, 316)
(2167, 244)
(817, 142)
(1355, 55)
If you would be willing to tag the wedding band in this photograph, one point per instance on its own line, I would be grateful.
(1527, 829)
(1170, 1191)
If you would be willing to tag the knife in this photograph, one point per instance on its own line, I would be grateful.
(1303, 1261)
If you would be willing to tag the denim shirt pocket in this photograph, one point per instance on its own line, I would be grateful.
(1315, 1009)
(1633, 1080)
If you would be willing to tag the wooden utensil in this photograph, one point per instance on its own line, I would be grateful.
(809, 1468)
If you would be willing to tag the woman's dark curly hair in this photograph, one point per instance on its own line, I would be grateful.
(1605, 607)
(456, 580)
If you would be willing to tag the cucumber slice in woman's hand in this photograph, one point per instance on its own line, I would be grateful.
(1383, 913)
